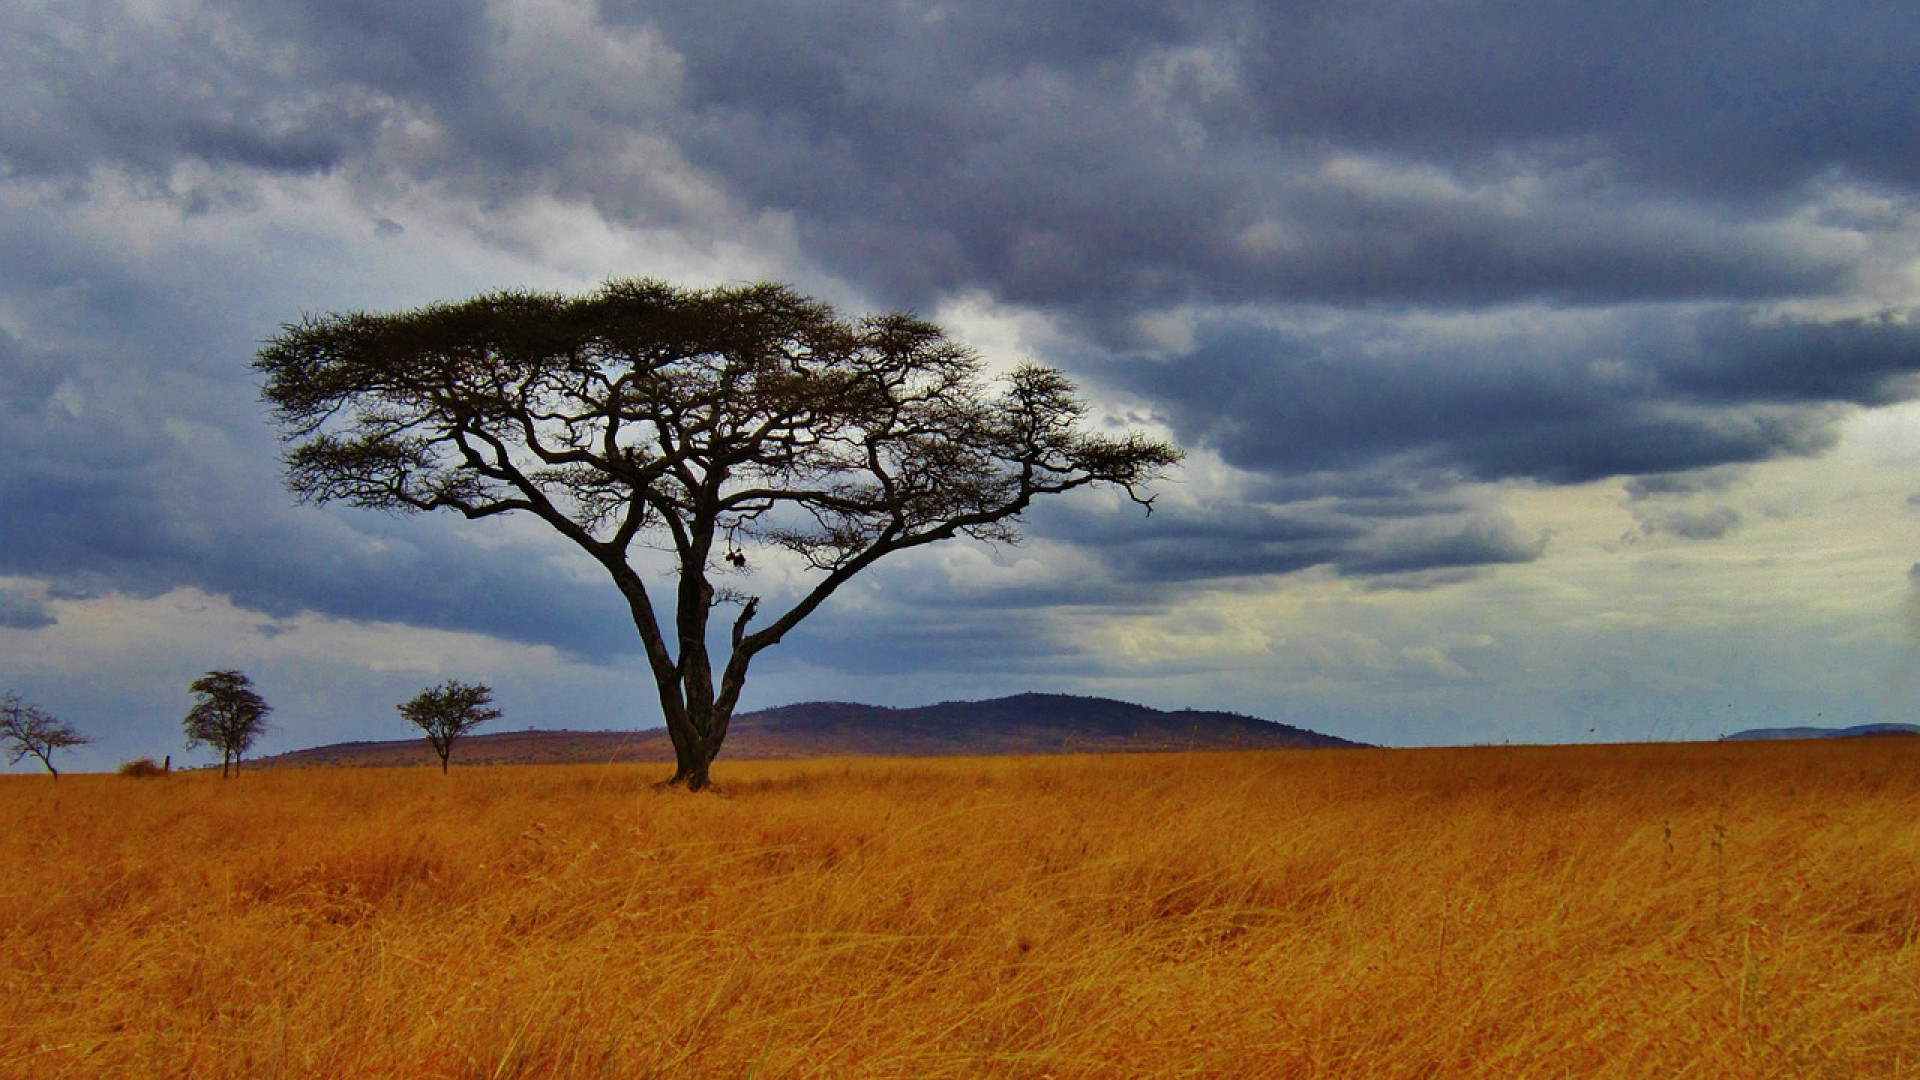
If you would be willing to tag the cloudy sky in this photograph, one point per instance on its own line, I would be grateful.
(1547, 370)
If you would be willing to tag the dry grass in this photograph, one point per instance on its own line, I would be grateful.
(1708, 911)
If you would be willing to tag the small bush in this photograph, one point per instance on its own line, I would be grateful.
(141, 767)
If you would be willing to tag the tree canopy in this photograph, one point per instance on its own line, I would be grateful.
(229, 716)
(448, 711)
(707, 422)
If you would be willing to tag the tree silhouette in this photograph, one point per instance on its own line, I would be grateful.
(703, 422)
(25, 730)
(229, 716)
(448, 711)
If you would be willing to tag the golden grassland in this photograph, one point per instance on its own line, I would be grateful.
(1645, 911)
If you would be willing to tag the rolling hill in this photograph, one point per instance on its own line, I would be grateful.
(1857, 731)
(1024, 724)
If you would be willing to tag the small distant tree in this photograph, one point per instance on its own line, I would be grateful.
(449, 711)
(229, 716)
(24, 730)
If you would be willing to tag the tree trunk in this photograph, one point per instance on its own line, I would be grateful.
(693, 755)
(691, 769)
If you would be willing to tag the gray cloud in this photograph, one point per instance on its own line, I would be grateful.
(138, 459)
(98, 86)
(1484, 541)
(1704, 481)
(1094, 159)
(1304, 154)
(1642, 396)
(22, 609)
(1680, 504)
(1748, 98)
(169, 511)
(1689, 523)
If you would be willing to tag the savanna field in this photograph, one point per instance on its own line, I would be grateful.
(1732, 910)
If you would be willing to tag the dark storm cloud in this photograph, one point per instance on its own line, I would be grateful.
(279, 87)
(1348, 546)
(1705, 481)
(1096, 158)
(137, 459)
(1871, 361)
(93, 86)
(1660, 394)
(1748, 98)
(1389, 527)
(144, 495)
(1484, 541)
(21, 609)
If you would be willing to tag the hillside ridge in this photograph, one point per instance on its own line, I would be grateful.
(1031, 723)
(1854, 732)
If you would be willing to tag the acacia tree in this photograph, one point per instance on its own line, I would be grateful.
(229, 716)
(708, 423)
(448, 711)
(24, 729)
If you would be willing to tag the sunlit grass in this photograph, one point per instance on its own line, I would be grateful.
(1709, 911)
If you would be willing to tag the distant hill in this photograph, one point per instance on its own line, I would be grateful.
(1025, 724)
(1857, 731)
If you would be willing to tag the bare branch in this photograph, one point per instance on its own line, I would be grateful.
(27, 731)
